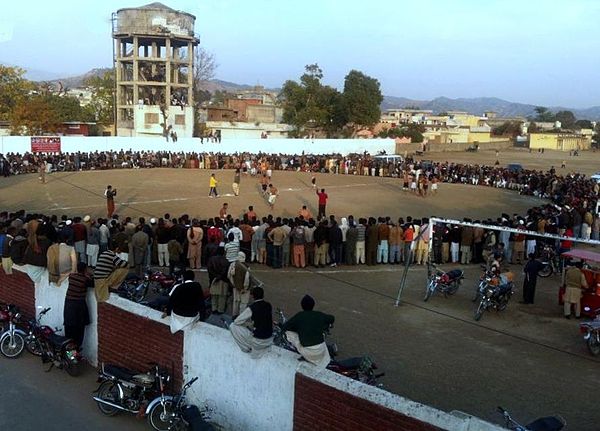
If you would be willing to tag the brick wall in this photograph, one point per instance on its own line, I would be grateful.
(318, 406)
(133, 341)
(18, 289)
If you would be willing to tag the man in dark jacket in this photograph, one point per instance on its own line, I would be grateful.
(305, 331)
(259, 315)
(186, 303)
(218, 267)
(531, 270)
(335, 243)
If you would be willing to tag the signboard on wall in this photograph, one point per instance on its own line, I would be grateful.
(45, 144)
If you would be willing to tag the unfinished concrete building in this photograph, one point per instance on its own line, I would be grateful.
(154, 55)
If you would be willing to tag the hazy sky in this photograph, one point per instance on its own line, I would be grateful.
(540, 52)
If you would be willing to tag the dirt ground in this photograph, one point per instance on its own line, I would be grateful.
(153, 192)
(528, 359)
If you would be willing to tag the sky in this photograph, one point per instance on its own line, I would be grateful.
(543, 52)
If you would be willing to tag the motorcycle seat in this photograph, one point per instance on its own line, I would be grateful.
(350, 363)
(120, 373)
(59, 340)
(454, 274)
(593, 324)
(549, 423)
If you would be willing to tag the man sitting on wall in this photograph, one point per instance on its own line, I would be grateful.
(260, 315)
(109, 273)
(305, 331)
(186, 303)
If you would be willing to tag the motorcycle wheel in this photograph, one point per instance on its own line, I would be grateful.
(12, 348)
(454, 287)
(479, 312)
(110, 392)
(546, 271)
(33, 346)
(72, 365)
(163, 417)
(593, 345)
(429, 291)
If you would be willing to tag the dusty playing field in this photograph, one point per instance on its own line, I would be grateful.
(153, 192)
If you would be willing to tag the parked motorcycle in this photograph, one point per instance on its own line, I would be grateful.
(170, 412)
(548, 423)
(549, 260)
(12, 339)
(591, 333)
(123, 390)
(443, 282)
(357, 368)
(493, 293)
(57, 350)
(136, 289)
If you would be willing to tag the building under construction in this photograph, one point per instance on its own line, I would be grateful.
(153, 58)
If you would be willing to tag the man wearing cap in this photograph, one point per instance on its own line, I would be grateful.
(574, 282)
(186, 303)
(305, 332)
(139, 249)
(240, 278)
(260, 315)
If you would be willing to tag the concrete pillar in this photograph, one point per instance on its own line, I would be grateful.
(168, 72)
(190, 77)
(136, 93)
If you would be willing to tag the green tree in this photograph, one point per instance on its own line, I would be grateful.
(567, 119)
(309, 104)
(543, 115)
(67, 108)
(362, 99)
(13, 89)
(101, 107)
(584, 124)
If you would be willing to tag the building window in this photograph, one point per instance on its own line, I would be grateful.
(151, 118)
(180, 120)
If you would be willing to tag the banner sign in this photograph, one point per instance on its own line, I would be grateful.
(45, 144)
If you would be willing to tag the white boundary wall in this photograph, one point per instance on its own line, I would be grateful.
(231, 382)
(70, 144)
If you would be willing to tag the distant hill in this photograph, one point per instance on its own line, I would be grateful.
(479, 105)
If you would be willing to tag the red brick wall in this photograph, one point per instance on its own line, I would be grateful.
(18, 289)
(133, 341)
(320, 407)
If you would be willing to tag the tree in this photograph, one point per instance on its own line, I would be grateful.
(34, 116)
(584, 124)
(567, 119)
(543, 115)
(101, 106)
(309, 104)
(13, 89)
(362, 99)
(205, 66)
(508, 128)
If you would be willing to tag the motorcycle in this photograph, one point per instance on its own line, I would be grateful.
(549, 260)
(136, 289)
(124, 390)
(357, 368)
(444, 282)
(548, 423)
(591, 333)
(170, 412)
(60, 351)
(12, 339)
(493, 293)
